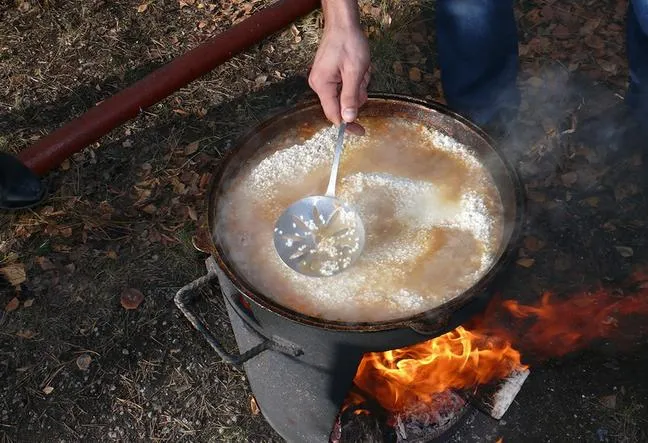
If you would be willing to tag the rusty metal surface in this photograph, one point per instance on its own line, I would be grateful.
(51, 150)
(430, 114)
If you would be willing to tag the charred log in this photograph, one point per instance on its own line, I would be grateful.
(495, 398)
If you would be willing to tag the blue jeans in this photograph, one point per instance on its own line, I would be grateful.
(478, 56)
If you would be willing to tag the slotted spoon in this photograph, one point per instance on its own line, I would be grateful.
(320, 235)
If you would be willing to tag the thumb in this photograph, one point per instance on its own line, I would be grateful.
(350, 94)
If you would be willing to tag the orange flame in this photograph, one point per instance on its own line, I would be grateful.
(466, 358)
(561, 326)
(458, 359)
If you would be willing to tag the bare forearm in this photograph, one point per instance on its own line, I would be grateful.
(341, 14)
(342, 59)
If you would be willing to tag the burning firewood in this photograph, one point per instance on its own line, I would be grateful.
(369, 422)
(428, 421)
(495, 398)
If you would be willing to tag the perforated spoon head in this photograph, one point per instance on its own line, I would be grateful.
(319, 236)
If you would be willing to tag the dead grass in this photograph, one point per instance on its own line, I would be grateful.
(630, 421)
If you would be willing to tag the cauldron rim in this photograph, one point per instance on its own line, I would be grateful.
(427, 322)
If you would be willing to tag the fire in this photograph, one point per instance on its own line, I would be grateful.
(486, 350)
(457, 360)
(560, 326)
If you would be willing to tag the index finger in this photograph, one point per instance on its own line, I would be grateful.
(327, 92)
(331, 106)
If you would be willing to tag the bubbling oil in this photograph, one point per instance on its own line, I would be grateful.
(432, 214)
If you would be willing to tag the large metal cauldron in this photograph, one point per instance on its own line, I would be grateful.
(299, 367)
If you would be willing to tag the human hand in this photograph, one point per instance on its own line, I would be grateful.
(340, 72)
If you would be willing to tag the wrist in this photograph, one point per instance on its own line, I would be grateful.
(341, 14)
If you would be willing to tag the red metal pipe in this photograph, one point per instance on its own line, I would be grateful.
(50, 151)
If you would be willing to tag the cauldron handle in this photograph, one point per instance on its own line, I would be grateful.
(188, 294)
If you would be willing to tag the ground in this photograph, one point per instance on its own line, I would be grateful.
(125, 212)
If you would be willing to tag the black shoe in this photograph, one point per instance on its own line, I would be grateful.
(19, 187)
(500, 127)
(614, 135)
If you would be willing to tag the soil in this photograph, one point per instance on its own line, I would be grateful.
(125, 212)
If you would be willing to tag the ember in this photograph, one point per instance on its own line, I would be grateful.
(484, 352)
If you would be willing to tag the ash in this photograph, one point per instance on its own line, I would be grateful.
(423, 421)
(426, 420)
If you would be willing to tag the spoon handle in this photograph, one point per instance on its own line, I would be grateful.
(330, 190)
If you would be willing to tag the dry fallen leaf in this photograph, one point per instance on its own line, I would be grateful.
(525, 262)
(608, 66)
(83, 361)
(141, 8)
(131, 298)
(573, 67)
(191, 148)
(254, 407)
(261, 80)
(47, 390)
(594, 41)
(204, 180)
(150, 209)
(625, 251)
(415, 74)
(178, 186)
(569, 178)
(12, 305)
(28, 303)
(111, 254)
(192, 213)
(609, 401)
(590, 25)
(26, 333)
(536, 196)
(533, 243)
(398, 68)
(45, 263)
(536, 82)
(14, 273)
(561, 31)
